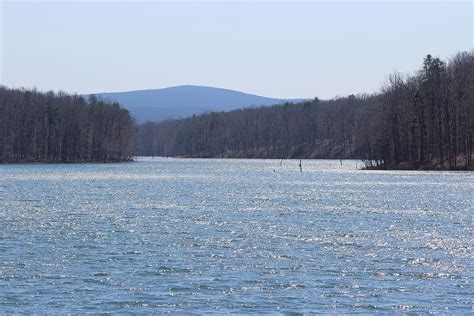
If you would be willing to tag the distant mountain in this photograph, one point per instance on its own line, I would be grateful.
(183, 101)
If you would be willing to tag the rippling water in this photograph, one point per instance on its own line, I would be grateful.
(245, 236)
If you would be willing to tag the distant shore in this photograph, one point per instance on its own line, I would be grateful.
(399, 167)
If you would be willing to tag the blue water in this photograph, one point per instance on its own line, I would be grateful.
(243, 236)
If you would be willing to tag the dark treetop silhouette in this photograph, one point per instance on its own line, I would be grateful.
(48, 127)
(420, 121)
(423, 121)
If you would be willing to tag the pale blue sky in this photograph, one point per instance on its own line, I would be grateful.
(276, 49)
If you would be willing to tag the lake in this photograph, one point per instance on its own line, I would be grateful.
(243, 236)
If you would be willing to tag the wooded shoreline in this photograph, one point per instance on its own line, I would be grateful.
(56, 127)
(419, 121)
(423, 121)
(380, 167)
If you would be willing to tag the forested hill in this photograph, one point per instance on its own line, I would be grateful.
(312, 129)
(49, 127)
(182, 101)
(420, 121)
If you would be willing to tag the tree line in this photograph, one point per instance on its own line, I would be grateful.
(56, 127)
(419, 121)
(425, 120)
(312, 129)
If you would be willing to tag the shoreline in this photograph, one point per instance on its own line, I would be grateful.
(136, 159)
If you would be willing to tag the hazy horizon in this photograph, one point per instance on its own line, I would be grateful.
(272, 49)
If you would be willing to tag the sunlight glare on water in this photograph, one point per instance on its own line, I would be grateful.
(245, 236)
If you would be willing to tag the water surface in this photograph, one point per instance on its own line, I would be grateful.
(243, 236)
